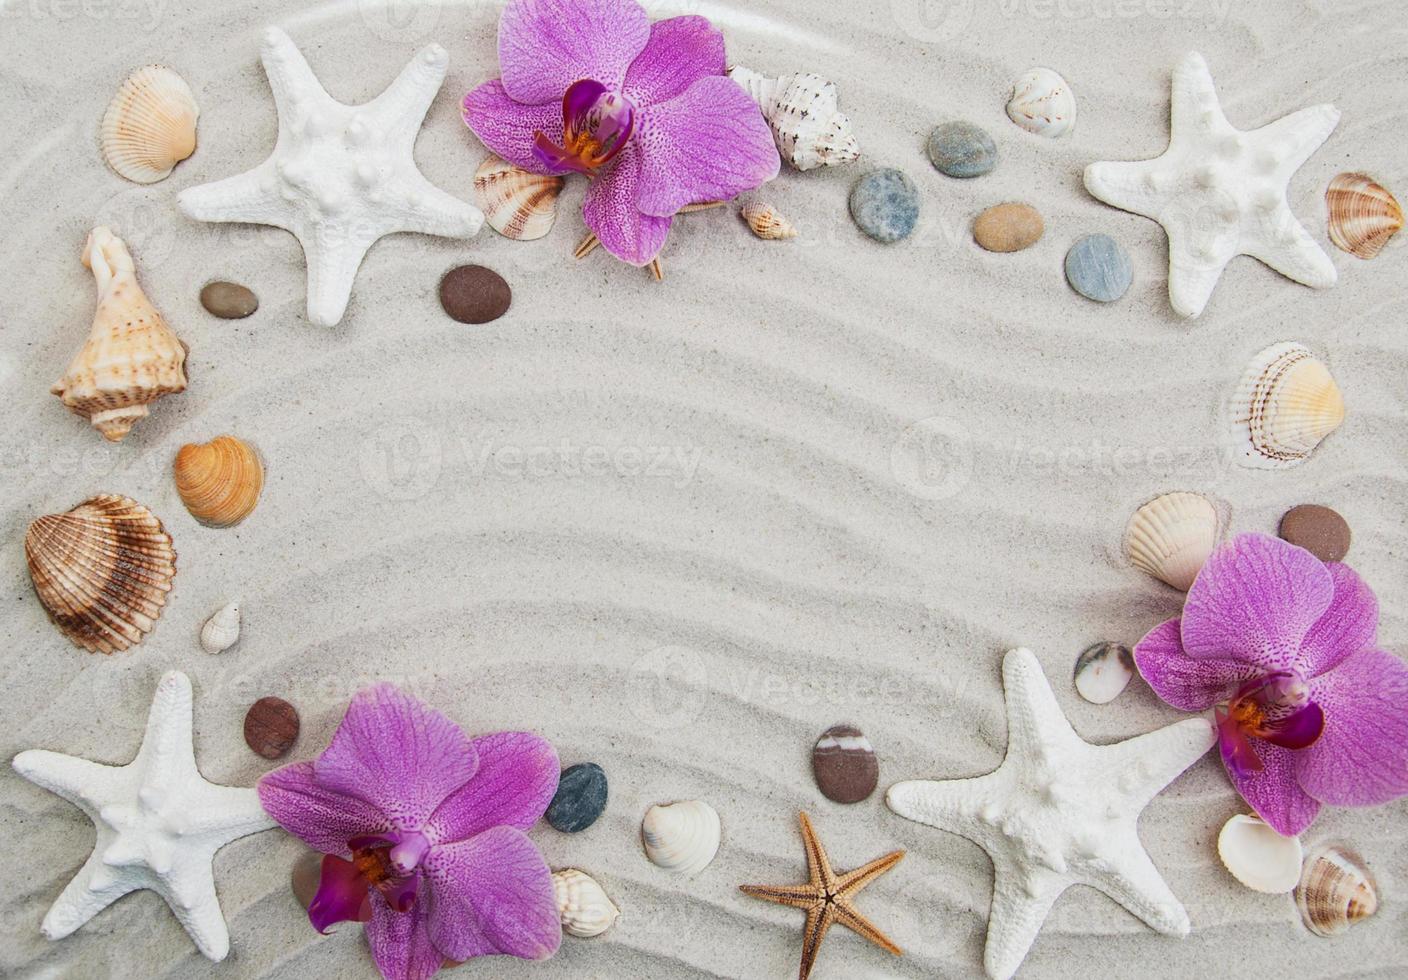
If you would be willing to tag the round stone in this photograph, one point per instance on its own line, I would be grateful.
(307, 873)
(474, 294)
(1319, 530)
(1008, 227)
(271, 727)
(1103, 671)
(885, 205)
(844, 764)
(1098, 268)
(580, 799)
(228, 300)
(960, 149)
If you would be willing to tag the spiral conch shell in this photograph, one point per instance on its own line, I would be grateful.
(582, 904)
(150, 125)
(219, 481)
(517, 203)
(131, 357)
(1336, 889)
(682, 837)
(1171, 537)
(1363, 214)
(101, 571)
(222, 630)
(766, 222)
(1285, 405)
(802, 109)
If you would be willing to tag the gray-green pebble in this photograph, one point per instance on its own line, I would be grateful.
(228, 300)
(960, 149)
(885, 205)
(1098, 268)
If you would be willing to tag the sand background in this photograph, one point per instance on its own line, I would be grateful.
(682, 528)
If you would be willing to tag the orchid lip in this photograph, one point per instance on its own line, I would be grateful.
(1275, 707)
(597, 122)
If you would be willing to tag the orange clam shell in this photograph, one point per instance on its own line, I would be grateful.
(219, 481)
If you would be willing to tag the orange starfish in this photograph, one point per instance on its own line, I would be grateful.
(827, 898)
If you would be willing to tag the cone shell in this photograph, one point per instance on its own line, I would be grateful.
(150, 125)
(222, 630)
(682, 837)
(1259, 857)
(1042, 103)
(1363, 214)
(516, 203)
(131, 358)
(1171, 537)
(767, 223)
(1286, 403)
(101, 571)
(802, 110)
(582, 904)
(219, 481)
(1336, 889)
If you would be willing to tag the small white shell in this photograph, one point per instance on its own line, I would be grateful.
(681, 837)
(1336, 889)
(150, 125)
(1171, 536)
(1103, 671)
(1285, 404)
(1259, 857)
(766, 222)
(222, 630)
(802, 109)
(585, 909)
(1042, 103)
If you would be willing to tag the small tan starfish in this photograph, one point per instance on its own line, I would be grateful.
(587, 245)
(827, 898)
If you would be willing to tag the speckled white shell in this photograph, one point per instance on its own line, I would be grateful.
(802, 109)
(1042, 103)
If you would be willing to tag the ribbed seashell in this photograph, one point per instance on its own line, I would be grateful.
(766, 222)
(1363, 214)
(219, 481)
(681, 837)
(1286, 403)
(150, 125)
(1171, 537)
(582, 904)
(131, 357)
(1042, 103)
(1336, 889)
(517, 204)
(101, 571)
(222, 630)
(802, 110)
(1259, 857)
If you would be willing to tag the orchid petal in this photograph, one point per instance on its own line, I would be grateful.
(1273, 792)
(680, 51)
(1185, 683)
(400, 942)
(509, 128)
(517, 778)
(546, 45)
(1349, 626)
(322, 818)
(1361, 759)
(610, 211)
(342, 896)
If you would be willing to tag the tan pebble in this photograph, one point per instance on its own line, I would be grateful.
(1008, 227)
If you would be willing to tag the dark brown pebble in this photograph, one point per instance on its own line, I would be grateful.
(228, 300)
(474, 294)
(844, 765)
(270, 727)
(1319, 530)
(307, 873)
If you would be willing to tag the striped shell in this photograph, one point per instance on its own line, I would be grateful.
(1286, 403)
(682, 837)
(101, 571)
(1171, 537)
(517, 204)
(582, 904)
(1336, 889)
(1363, 214)
(766, 222)
(219, 481)
(1042, 103)
(150, 125)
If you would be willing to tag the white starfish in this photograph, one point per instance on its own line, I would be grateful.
(1220, 192)
(159, 824)
(1058, 812)
(340, 177)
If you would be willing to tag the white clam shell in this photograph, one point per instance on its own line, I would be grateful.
(1286, 403)
(583, 905)
(1171, 537)
(682, 837)
(1042, 103)
(803, 111)
(1259, 857)
(1103, 671)
(222, 630)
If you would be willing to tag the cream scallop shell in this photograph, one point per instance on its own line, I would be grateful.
(516, 203)
(1363, 215)
(802, 109)
(222, 630)
(1259, 857)
(1171, 537)
(1336, 889)
(682, 837)
(582, 904)
(219, 481)
(150, 125)
(766, 222)
(1285, 404)
(1042, 103)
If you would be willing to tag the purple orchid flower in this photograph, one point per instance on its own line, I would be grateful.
(644, 109)
(422, 832)
(1283, 646)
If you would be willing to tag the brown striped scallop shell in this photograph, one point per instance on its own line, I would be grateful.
(1363, 214)
(517, 204)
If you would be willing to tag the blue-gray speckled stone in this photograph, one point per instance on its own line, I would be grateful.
(961, 149)
(885, 205)
(1098, 268)
(581, 796)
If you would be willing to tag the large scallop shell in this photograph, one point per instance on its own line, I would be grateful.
(802, 109)
(101, 571)
(1042, 102)
(516, 203)
(219, 481)
(1363, 214)
(150, 125)
(766, 222)
(582, 904)
(681, 837)
(1171, 536)
(131, 357)
(1286, 403)
(1259, 857)
(222, 630)
(1336, 889)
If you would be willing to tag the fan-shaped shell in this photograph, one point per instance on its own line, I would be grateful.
(582, 904)
(101, 571)
(1171, 537)
(517, 204)
(1363, 214)
(1259, 857)
(1286, 404)
(802, 109)
(1336, 889)
(1042, 103)
(766, 222)
(681, 837)
(222, 630)
(150, 125)
(219, 481)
